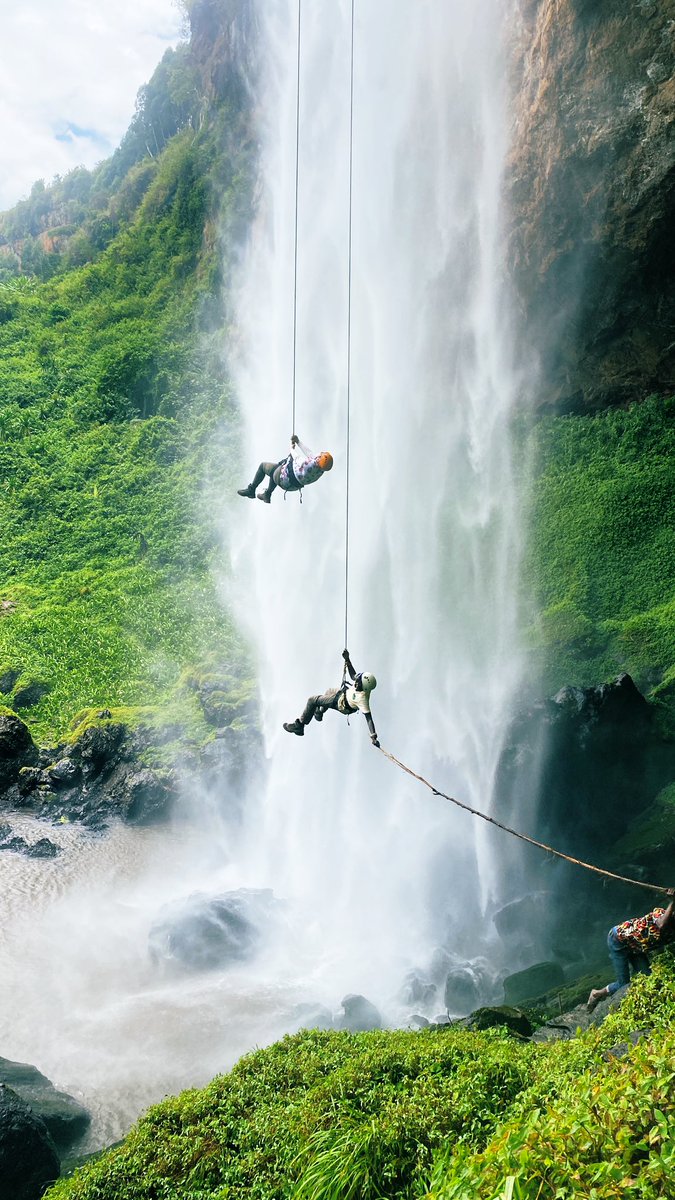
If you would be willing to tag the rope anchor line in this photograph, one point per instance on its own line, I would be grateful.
(652, 887)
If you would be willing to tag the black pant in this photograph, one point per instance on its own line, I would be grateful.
(328, 700)
(273, 470)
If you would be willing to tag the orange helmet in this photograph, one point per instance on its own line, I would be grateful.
(325, 460)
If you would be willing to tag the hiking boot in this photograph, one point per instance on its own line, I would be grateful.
(597, 994)
(264, 496)
(318, 715)
(294, 726)
(249, 492)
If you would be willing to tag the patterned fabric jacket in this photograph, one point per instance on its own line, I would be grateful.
(301, 467)
(641, 933)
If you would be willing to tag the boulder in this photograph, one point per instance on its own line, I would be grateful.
(489, 1018)
(65, 1118)
(461, 990)
(144, 796)
(359, 1015)
(16, 748)
(28, 1158)
(417, 989)
(533, 982)
(64, 773)
(205, 932)
(99, 747)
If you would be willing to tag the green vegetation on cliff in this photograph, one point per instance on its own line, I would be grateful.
(601, 558)
(440, 1113)
(116, 425)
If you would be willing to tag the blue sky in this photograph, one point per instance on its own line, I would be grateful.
(69, 74)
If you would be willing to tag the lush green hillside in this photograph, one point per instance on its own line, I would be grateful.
(116, 423)
(443, 1113)
(601, 558)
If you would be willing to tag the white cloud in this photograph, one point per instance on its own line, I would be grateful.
(69, 74)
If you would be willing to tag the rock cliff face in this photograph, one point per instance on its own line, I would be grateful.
(591, 193)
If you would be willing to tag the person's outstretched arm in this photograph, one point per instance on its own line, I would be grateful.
(348, 661)
(371, 729)
(665, 922)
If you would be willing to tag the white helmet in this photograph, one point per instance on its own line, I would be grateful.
(368, 681)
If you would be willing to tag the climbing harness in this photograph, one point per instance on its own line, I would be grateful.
(652, 887)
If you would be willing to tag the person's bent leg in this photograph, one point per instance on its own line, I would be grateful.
(639, 964)
(263, 470)
(620, 957)
(272, 470)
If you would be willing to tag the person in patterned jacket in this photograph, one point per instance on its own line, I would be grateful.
(630, 942)
(290, 474)
(347, 699)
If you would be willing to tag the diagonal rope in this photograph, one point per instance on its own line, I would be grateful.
(295, 246)
(652, 887)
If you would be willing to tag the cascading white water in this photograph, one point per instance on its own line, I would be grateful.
(376, 871)
(382, 871)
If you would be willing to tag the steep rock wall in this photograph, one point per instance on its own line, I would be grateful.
(591, 192)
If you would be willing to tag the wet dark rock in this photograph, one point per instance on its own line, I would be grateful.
(144, 796)
(205, 932)
(16, 748)
(489, 1018)
(591, 188)
(28, 1156)
(98, 748)
(64, 773)
(64, 1117)
(30, 778)
(596, 757)
(533, 982)
(419, 1022)
(43, 848)
(461, 990)
(359, 1015)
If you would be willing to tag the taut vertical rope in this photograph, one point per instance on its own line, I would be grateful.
(295, 248)
(349, 319)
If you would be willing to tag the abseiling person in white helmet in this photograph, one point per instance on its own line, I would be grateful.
(349, 698)
(291, 474)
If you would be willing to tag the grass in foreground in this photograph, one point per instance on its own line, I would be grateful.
(440, 1113)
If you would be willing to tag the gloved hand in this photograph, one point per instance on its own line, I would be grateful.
(345, 655)
(374, 739)
(294, 440)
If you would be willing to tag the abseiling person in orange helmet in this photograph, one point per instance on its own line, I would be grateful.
(290, 474)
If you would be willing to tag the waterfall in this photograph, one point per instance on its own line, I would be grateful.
(381, 873)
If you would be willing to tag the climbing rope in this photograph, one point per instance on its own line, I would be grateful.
(652, 887)
(295, 246)
(349, 321)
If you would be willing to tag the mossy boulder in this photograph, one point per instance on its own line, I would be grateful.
(490, 1018)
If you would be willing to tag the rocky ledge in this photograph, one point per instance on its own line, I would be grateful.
(102, 772)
